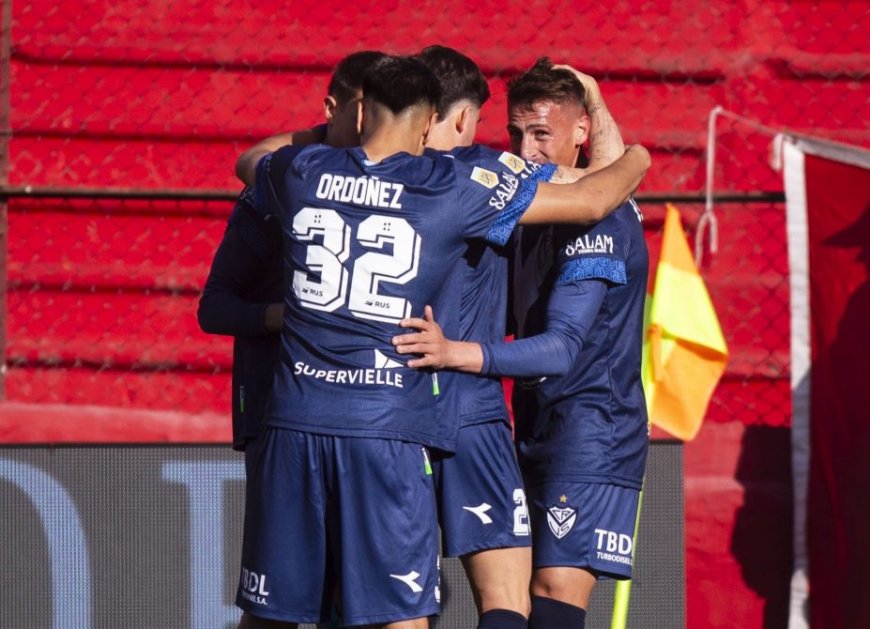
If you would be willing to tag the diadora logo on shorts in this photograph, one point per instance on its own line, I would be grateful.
(410, 580)
(613, 546)
(253, 587)
(480, 511)
(561, 519)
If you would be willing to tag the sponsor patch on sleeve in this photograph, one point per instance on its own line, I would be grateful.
(484, 177)
(516, 164)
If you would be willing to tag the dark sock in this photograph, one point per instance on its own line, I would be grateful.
(548, 613)
(502, 619)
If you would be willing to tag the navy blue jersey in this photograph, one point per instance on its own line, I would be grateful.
(589, 424)
(483, 307)
(245, 277)
(366, 245)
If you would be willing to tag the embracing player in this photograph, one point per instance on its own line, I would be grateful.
(339, 495)
(582, 429)
(244, 290)
(481, 501)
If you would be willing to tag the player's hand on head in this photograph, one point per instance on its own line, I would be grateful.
(589, 83)
(428, 341)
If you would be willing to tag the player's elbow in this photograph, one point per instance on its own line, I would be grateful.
(246, 165)
(645, 157)
(205, 315)
(568, 345)
(559, 366)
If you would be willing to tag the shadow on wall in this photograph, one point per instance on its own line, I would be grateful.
(762, 537)
(838, 510)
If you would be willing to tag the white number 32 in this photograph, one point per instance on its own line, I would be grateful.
(329, 259)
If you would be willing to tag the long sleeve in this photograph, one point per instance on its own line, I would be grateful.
(239, 267)
(571, 310)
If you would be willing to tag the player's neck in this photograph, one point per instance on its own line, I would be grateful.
(392, 139)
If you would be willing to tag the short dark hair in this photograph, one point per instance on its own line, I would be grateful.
(401, 82)
(544, 82)
(459, 76)
(348, 75)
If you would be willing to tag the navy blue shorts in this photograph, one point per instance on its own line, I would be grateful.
(350, 520)
(481, 502)
(583, 525)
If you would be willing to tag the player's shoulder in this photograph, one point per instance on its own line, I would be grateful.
(627, 219)
(629, 212)
(302, 157)
(623, 220)
(431, 169)
(245, 210)
(290, 157)
(485, 156)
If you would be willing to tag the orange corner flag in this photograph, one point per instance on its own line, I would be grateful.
(684, 352)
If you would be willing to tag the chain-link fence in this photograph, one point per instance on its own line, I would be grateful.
(121, 122)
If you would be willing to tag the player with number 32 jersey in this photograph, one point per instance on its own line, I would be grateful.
(366, 245)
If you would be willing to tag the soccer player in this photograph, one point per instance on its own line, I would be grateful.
(582, 429)
(243, 293)
(340, 494)
(482, 506)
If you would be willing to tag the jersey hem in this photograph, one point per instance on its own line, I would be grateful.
(616, 576)
(616, 481)
(283, 616)
(521, 542)
(429, 610)
(448, 445)
(482, 418)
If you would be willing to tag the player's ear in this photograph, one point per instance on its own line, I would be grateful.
(329, 107)
(466, 124)
(360, 116)
(462, 119)
(582, 130)
(433, 120)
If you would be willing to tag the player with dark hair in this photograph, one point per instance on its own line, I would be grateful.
(482, 505)
(464, 90)
(244, 289)
(582, 428)
(343, 95)
(340, 495)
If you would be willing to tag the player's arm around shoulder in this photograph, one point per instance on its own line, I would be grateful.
(246, 165)
(593, 197)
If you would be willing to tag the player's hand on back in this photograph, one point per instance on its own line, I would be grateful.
(436, 351)
(428, 341)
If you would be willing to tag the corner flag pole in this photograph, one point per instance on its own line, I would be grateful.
(622, 593)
